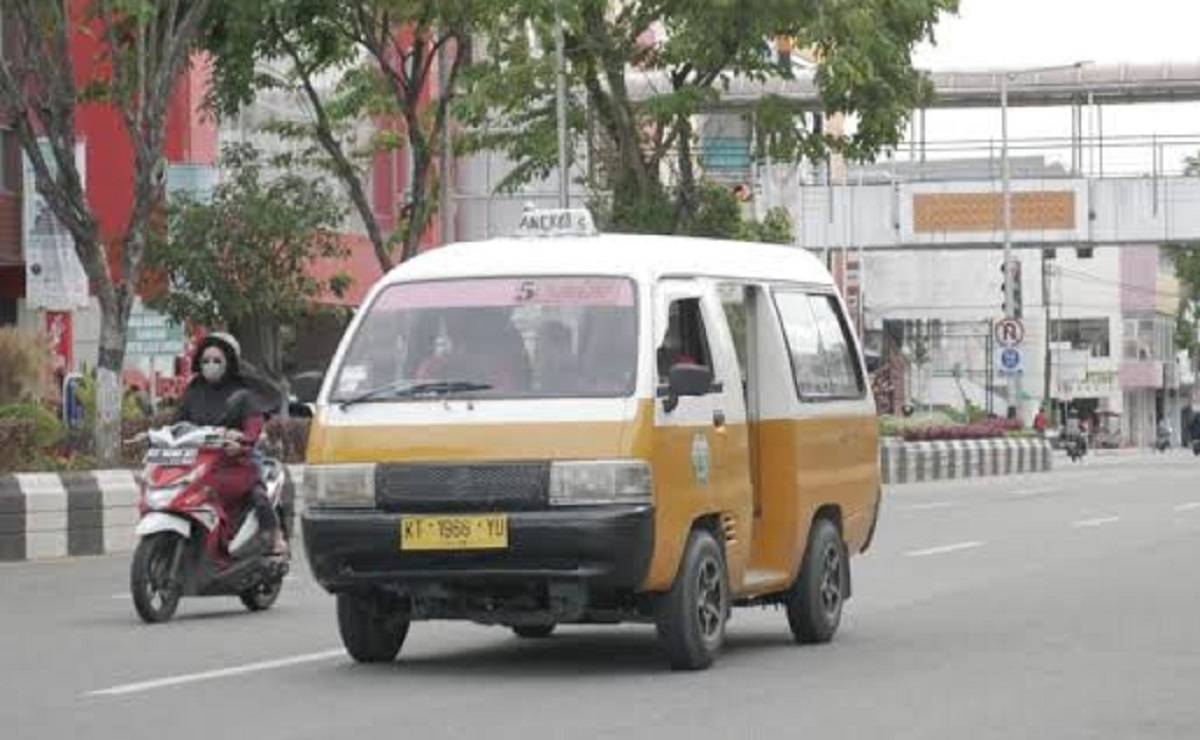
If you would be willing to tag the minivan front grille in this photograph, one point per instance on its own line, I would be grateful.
(420, 487)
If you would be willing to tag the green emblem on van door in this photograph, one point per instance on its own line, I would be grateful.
(700, 458)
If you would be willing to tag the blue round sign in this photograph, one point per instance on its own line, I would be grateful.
(1010, 358)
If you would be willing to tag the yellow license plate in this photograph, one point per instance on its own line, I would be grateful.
(480, 532)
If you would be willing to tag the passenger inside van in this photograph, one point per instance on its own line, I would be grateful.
(557, 369)
(609, 343)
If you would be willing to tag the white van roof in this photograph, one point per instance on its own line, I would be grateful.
(642, 256)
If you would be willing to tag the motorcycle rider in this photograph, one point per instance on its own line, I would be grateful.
(206, 402)
(1163, 440)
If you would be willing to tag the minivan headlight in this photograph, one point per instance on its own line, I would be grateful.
(339, 485)
(600, 482)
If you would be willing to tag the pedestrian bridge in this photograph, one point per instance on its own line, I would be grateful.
(1046, 212)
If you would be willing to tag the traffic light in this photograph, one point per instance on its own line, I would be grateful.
(1013, 273)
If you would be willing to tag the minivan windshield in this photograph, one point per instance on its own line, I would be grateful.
(541, 337)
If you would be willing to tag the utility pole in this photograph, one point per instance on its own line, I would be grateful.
(1010, 283)
(1046, 273)
(564, 183)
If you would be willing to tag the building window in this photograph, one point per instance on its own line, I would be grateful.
(1148, 339)
(8, 311)
(1083, 334)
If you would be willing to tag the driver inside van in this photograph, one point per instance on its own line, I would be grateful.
(480, 346)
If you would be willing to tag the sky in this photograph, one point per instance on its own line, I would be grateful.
(988, 34)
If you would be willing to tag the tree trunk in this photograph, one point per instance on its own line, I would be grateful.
(114, 318)
(685, 209)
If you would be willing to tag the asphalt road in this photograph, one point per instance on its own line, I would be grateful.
(1062, 605)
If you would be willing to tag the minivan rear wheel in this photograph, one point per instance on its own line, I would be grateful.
(814, 604)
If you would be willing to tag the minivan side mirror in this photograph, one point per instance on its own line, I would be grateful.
(685, 379)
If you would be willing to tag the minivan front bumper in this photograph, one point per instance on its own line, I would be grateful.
(604, 547)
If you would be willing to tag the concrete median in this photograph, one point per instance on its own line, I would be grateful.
(44, 516)
(916, 462)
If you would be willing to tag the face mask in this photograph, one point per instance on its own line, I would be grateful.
(212, 371)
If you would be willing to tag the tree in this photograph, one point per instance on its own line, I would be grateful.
(384, 56)
(1186, 258)
(863, 70)
(147, 46)
(243, 258)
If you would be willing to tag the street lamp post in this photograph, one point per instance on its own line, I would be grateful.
(1014, 379)
(564, 182)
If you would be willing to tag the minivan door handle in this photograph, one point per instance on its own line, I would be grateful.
(719, 419)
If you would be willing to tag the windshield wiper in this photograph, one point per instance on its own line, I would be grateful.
(406, 388)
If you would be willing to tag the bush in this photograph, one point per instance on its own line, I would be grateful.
(46, 430)
(27, 363)
(17, 447)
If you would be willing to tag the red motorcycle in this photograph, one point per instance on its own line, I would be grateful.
(195, 539)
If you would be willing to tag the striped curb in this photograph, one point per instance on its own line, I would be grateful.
(54, 515)
(916, 462)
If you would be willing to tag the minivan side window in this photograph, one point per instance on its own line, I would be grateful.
(823, 360)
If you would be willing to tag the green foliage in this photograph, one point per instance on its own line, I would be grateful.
(718, 214)
(775, 228)
(351, 60)
(46, 429)
(864, 70)
(26, 361)
(247, 252)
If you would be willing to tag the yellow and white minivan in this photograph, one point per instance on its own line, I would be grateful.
(569, 427)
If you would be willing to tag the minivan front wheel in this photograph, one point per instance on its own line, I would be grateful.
(814, 605)
(369, 634)
(691, 617)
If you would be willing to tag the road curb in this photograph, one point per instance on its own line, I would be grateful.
(44, 516)
(917, 462)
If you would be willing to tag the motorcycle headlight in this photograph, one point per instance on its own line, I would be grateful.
(600, 482)
(339, 486)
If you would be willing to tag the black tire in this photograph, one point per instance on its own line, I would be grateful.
(533, 631)
(263, 596)
(814, 606)
(369, 635)
(154, 597)
(691, 617)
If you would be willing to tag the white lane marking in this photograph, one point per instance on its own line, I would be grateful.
(266, 665)
(1035, 491)
(932, 505)
(944, 549)
(1188, 506)
(1098, 521)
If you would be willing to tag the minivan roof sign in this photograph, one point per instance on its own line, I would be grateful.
(544, 222)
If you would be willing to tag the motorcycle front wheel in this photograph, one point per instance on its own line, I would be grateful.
(155, 589)
(262, 597)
